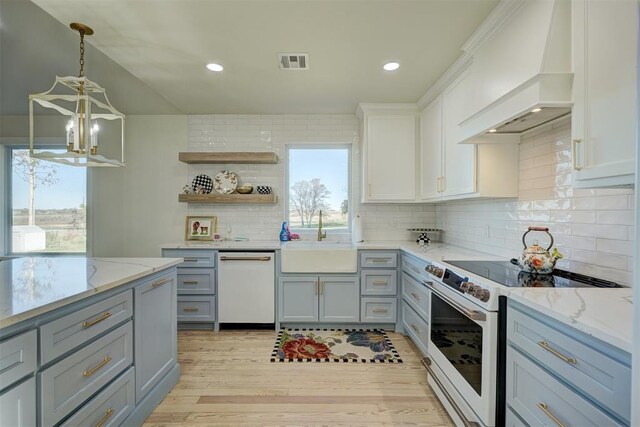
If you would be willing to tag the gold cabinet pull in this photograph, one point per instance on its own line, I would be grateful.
(380, 310)
(106, 417)
(415, 328)
(95, 369)
(190, 259)
(189, 282)
(322, 288)
(379, 259)
(90, 323)
(380, 283)
(546, 346)
(316, 287)
(160, 282)
(544, 408)
(574, 154)
(415, 296)
(190, 309)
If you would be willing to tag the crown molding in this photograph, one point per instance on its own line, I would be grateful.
(445, 80)
(496, 19)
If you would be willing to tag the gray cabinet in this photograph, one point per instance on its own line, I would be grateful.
(378, 287)
(312, 298)
(18, 405)
(416, 302)
(196, 287)
(554, 370)
(155, 332)
(18, 357)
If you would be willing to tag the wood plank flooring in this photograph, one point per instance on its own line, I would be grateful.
(228, 380)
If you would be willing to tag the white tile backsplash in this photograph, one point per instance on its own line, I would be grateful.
(230, 132)
(592, 228)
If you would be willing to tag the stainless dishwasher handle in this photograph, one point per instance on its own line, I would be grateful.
(238, 258)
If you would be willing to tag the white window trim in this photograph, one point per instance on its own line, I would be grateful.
(311, 233)
(12, 143)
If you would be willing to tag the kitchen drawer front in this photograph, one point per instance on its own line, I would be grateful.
(69, 382)
(537, 397)
(416, 295)
(18, 357)
(415, 268)
(192, 257)
(378, 282)
(194, 281)
(109, 408)
(416, 328)
(64, 334)
(604, 379)
(18, 405)
(378, 259)
(196, 309)
(378, 310)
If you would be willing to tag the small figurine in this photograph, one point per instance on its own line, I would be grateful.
(200, 190)
(186, 189)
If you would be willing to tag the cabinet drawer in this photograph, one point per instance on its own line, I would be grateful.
(194, 281)
(416, 295)
(68, 383)
(196, 309)
(18, 405)
(110, 407)
(18, 357)
(537, 397)
(586, 367)
(378, 259)
(192, 257)
(416, 328)
(415, 268)
(378, 310)
(512, 420)
(378, 282)
(68, 332)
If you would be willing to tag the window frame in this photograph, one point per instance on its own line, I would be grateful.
(333, 232)
(46, 143)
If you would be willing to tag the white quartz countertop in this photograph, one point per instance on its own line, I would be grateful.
(35, 285)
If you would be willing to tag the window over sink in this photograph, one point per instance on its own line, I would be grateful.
(318, 179)
(47, 205)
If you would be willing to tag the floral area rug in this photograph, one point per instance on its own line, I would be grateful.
(334, 345)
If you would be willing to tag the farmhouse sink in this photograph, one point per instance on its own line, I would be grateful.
(319, 257)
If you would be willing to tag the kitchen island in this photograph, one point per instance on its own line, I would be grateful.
(67, 332)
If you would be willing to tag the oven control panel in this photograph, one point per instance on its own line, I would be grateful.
(476, 291)
(434, 270)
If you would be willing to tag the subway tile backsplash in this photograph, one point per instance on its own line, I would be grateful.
(230, 132)
(592, 228)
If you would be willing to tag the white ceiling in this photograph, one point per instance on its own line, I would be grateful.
(167, 43)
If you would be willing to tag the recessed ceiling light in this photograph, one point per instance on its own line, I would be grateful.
(215, 67)
(391, 66)
(536, 110)
(493, 130)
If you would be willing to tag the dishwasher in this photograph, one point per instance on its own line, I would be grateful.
(246, 287)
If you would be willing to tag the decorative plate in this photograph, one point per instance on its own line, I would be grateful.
(204, 182)
(225, 182)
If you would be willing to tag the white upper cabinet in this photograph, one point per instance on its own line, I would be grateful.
(431, 150)
(388, 152)
(604, 119)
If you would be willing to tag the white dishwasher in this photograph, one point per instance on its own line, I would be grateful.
(246, 287)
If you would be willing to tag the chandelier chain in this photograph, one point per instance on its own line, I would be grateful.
(81, 53)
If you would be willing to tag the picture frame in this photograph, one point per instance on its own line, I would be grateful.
(200, 227)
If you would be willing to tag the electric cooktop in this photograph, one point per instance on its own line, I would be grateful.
(509, 274)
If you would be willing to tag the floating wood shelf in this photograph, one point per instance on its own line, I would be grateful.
(204, 157)
(260, 199)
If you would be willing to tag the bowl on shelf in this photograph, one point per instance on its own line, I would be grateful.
(245, 189)
(263, 189)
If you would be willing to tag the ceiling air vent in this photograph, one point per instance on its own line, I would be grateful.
(294, 61)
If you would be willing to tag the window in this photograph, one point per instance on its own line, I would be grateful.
(318, 179)
(47, 205)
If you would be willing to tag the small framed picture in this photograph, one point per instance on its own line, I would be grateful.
(200, 227)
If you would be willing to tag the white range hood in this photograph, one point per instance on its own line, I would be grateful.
(521, 75)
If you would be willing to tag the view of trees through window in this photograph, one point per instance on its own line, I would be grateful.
(48, 205)
(318, 180)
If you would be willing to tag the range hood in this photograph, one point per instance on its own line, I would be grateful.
(521, 74)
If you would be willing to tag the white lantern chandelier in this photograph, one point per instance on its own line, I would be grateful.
(87, 116)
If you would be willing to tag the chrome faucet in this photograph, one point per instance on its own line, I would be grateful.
(321, 235)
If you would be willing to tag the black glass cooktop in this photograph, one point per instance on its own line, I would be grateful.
(508, 274)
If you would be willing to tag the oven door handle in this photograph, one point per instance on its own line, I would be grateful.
(427, 364)
(471, 314)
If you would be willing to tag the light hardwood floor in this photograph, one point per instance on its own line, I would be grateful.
(228, 379)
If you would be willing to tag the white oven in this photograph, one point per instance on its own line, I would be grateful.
(462, 350)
